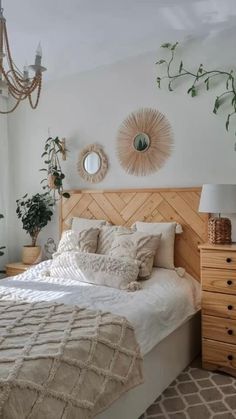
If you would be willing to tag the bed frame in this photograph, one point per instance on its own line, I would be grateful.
(125, 206)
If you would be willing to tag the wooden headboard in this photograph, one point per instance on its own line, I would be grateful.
(124, 207)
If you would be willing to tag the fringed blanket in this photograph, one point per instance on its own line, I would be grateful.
(63, 362)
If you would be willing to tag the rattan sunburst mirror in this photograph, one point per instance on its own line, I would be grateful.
(144, 142)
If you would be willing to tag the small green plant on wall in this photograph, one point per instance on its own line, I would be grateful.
(201, 75)
(53, 182)
(2, 247)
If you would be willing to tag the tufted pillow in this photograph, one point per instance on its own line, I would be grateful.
(95, 269)
(164, 257)
(138, 246)
(84, 241)
(106, 237)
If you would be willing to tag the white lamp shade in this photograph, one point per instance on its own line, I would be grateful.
(218, 199)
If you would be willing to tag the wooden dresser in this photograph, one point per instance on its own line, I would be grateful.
(218, 275)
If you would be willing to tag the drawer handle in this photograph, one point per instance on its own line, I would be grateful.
(229, 282)
(228, 260)
(230, 357)
(230, 332)
(230, 307)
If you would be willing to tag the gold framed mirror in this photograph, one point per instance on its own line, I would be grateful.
(92, 163)
(144, 142)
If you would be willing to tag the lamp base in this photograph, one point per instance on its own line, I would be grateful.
(219, 230)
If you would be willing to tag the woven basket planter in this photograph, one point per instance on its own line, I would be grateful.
(219, 231)
(31, 255)
(51, 180)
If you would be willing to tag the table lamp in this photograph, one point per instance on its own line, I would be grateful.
(218, 199)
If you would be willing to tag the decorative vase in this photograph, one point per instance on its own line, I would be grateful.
(31, 255)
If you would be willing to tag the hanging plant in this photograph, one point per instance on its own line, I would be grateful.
(197, 78)
(2, 247)
(54, 147)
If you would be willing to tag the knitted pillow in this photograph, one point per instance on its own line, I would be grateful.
(136, 245)
(96, 269)
(106, 238)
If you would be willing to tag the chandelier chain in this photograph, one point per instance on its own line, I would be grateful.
(19, 85)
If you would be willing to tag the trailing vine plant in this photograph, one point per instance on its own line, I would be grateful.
(200, 76)
(2, 247)
(53, 182)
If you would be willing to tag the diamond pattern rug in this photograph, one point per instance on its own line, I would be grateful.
(196, 394)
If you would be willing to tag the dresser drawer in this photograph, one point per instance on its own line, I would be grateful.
(219, 280)
(218, 259)
(220, 329)
(218, 353)
(219, 305)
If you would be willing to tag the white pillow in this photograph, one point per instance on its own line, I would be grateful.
(95, 269)
(78, 224)
(164, 257)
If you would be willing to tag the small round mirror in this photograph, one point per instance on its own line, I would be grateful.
(141, 142)
(92, 163)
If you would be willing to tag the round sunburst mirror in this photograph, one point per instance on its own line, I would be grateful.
(144, 142)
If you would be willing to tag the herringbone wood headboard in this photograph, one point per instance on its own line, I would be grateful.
(124, 207)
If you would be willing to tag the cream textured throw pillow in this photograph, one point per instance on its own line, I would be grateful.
(105, 238)
(136, 245)
(95, 269)
(164, 257)
(79, 224)
(84, 241)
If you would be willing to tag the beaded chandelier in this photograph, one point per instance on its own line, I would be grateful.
(13, 81)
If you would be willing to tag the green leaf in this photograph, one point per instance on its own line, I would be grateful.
(174, 46)
(180, 66)
(194, 92)
(200, 69)
(207, 83)
(216, 105)
(169, 87)
(166, 45)
(227, 122)
(161, 62)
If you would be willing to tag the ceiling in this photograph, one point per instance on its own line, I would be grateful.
(78, 35)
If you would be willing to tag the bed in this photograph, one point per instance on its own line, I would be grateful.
(164, 313)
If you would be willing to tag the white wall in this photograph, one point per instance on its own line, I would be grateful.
(4, 178)
(89, 107)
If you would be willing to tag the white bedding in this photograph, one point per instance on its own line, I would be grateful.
(165, 302)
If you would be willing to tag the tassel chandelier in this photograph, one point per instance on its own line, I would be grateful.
(13, 81)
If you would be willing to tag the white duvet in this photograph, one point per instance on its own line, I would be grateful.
(163, 304)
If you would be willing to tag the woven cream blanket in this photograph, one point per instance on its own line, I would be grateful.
(63, 362)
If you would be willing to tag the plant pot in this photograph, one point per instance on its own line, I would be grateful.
(51, 181)
(31, 255)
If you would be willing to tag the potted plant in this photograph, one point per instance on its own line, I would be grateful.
(35, 213)
(54, 147)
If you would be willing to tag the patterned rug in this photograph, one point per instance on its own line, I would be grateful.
(196, 394)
